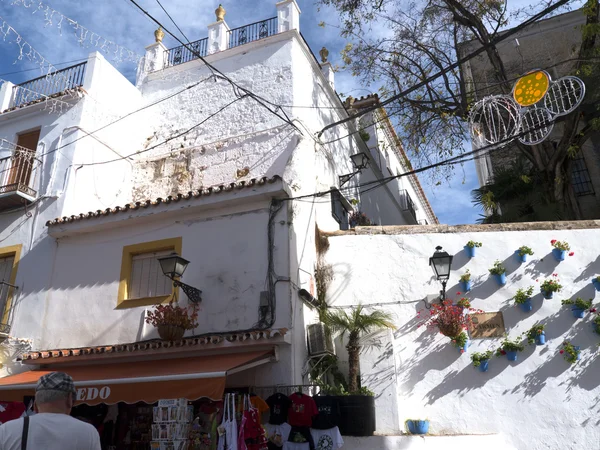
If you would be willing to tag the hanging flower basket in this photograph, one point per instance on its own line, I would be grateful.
(172, 320)
(451, 330)
(170, 332)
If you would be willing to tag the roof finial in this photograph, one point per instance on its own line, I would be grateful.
(324, 54)
(220, 12)
(159, 34)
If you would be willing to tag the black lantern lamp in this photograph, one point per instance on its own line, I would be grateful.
(441, 263)
(360, 161)
(173, 267)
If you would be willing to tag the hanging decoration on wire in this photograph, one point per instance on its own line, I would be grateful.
(529, 113)
(85, 37)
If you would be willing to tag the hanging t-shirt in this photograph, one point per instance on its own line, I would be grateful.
(329, 412)
(11, 411)
(302, 411)
(260, 405)
(327, 439)
(277, 435)
(279, 405)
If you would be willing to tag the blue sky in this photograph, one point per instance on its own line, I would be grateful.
(121, 22)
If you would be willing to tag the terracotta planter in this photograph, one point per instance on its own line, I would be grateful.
(170, 332)
(451, 330)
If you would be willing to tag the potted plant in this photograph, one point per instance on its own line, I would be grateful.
(461, 342)
(570, 352)
(449, 319)
(522, 253)
(536, 334)
(596, 283)
(523, 298)
(172, 321)
(358, 218)
(355, 324)
(464, 303)
(465, 281)
(499, 273)
(510, 348)
(470, 248)
(560, 249)
(596, 323)
(549, 287)
(578, 306)
(417, 426)
(482, 360)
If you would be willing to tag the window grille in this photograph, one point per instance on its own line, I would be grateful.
(580, 177)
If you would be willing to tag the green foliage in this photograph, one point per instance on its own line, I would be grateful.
(551, 286)
(534, 332)
(524, 250)
(497, 268)
(464, 303)
(578, 303)
(569, 352)
(461, 340)
(523, 295)
(472, 244)
(364, 135)
(478, 357)
(465, 276)
(596, 322)
(508, 345)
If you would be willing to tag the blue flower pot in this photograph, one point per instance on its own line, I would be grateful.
(596, 284)
(559, 255)
(418, 426)
(500, 279)
(547, 294)
(470, 251)
(578, 313)
(484, 365)
(466, 285)
(522, 258)
(527, 306)
(464, 348)
(540, 339)
(577, 347)
(511, 355)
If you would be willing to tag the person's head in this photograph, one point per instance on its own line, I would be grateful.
(55, 393)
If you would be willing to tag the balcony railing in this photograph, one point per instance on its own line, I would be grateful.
(46, 86)
(252, 32)
(18, 176)
(407, 204)
(183, 54)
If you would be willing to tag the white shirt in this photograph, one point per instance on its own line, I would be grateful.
(50, 431)
(327, 439)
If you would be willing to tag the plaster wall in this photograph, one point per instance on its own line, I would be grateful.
(538, 402)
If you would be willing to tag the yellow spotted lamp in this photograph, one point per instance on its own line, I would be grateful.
(529, 114)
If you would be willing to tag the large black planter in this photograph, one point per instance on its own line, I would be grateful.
(357, 415)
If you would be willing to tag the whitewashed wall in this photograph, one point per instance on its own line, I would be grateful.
(539, 402)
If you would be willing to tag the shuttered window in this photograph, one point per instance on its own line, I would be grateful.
(6, 266)
(147, 278)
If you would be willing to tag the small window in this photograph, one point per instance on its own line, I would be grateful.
(6, 270)
(580, 177)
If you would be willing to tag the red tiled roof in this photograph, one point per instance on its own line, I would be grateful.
(202, 192)
(155, 344)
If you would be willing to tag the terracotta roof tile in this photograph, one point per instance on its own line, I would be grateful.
(155, 344)
(147, 203)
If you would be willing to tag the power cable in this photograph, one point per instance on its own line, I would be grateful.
(169, 16)
(499, 38)
(37, 68)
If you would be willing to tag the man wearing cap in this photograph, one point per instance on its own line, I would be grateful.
(52, 428)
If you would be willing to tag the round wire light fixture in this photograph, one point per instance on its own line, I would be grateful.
(564, 95)
(494, 119)
(536, 125)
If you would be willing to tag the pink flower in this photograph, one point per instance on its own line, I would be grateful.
(593, 310)
(537, 281)
(553, 241)
(562, 351)
(571, 254)
(458, 293)
(462, 350)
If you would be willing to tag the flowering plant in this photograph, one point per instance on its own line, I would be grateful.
(524, 250)
(477, 357)
(510, 346)
(360, 219)
(578, 303)
(497, 268)
(534, 332)
(467, 277)
(174, 315)
(523, 295)
(473, 244)
(551, 286)
(464, 303)
(560, 245)
(460, 341)
(569, 352)
(448, 318)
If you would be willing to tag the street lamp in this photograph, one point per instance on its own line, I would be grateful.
(173, 267)
(360, 161)
(441, 262)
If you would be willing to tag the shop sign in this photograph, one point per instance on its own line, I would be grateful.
(487, 325)
(92, 393)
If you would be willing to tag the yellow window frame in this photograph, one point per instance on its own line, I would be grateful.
(129, 251)
(15, 251)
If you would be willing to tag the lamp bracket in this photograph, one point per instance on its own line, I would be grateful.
(192, 293)
(345, 178)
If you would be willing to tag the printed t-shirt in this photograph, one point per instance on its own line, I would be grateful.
(11, 411)
(279, 405)
(302, 411)
(277, 435)
(327, 439)
(260, 405)
(329, 412)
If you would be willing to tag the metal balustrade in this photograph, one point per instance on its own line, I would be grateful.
(253, 32)
(18, 173)
(46, 86)
(407, 204)
(183, 54)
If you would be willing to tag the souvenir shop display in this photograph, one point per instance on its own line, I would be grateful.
(228, 430)
(171, 424)
(329, 412)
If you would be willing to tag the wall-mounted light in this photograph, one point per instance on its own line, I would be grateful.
(173, 267)
(360, 161)
(441, 264)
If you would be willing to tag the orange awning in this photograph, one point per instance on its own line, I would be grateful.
(143, 381)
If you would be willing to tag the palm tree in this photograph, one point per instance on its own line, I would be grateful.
(357, 324)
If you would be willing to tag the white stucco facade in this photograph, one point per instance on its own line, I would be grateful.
(540, 401)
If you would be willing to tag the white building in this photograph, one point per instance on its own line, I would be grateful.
(203, 161)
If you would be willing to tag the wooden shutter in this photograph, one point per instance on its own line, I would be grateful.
(6, 266)
(147, 279)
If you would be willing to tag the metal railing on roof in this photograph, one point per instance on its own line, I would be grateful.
(253, 32)
(183, 54)
(46, 86)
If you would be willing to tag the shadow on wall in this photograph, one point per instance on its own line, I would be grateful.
(543, 267)
(591, 270)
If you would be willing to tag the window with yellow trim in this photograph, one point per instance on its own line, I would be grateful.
(9, 262)
(142, 281)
